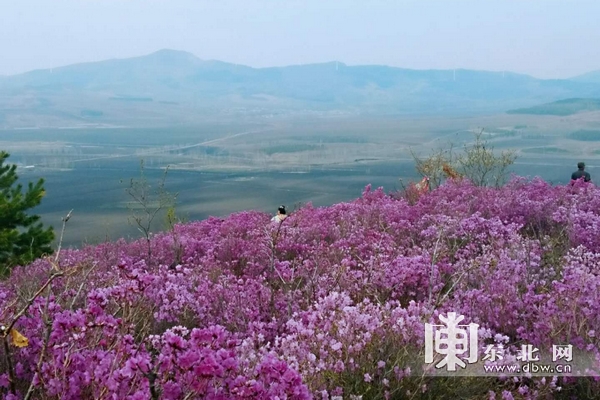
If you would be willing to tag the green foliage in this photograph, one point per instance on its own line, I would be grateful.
(172, 217)
(480, 165)
(22, 237)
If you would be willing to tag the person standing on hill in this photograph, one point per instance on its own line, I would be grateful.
(580, 173)
(281, 215)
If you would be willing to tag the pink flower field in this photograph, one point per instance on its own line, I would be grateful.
(330, 304)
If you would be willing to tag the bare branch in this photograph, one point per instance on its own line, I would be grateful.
(62, 233)
(53, 276)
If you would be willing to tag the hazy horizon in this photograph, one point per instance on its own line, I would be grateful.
(544, 39)
(266, 66)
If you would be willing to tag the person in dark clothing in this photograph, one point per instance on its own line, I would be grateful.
(580, 173)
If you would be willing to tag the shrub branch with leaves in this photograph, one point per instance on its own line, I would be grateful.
(477, 162)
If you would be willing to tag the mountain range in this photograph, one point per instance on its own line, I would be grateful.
(170, 86)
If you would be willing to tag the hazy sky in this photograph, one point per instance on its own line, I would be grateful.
(544, 38)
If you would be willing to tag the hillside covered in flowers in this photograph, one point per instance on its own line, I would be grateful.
(331, 303)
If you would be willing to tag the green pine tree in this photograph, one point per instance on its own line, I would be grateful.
(22, 236)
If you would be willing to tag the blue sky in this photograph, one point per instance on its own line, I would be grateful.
(543, 38)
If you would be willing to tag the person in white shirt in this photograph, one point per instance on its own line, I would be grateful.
(281, 215)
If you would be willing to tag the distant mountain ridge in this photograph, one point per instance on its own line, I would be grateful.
(561, 107)
(590, 77)
(177, 86)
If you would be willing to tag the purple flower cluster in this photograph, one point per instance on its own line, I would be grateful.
(331, 302)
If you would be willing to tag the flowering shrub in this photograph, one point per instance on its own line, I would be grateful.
(331, 302)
